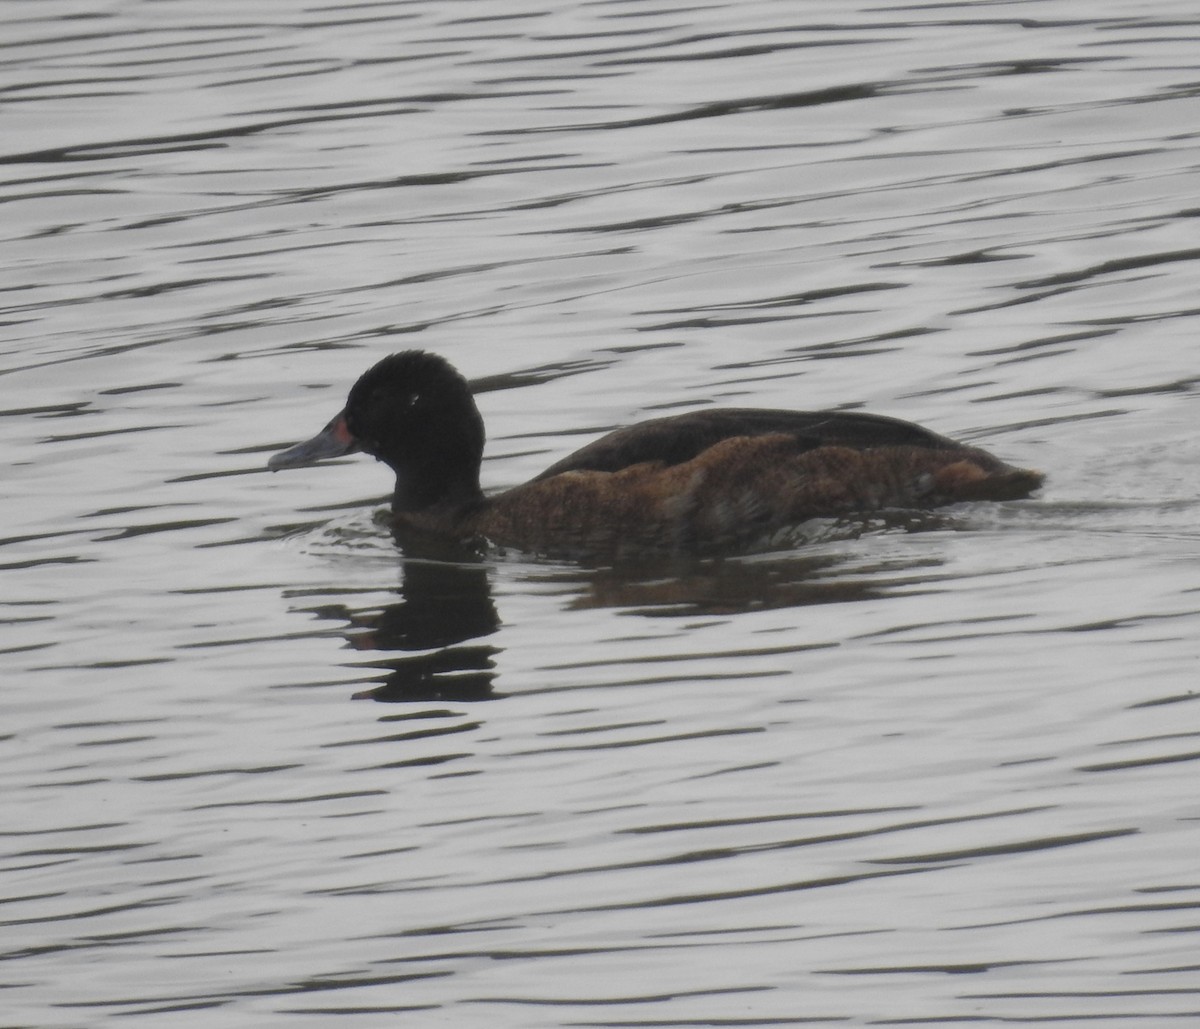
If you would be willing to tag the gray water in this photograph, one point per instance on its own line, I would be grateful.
(260, 771)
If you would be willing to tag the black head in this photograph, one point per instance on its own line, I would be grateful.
(415, 413)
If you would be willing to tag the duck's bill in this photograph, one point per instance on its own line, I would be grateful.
(334, 440)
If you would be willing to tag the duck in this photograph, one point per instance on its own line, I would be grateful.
(709, 481)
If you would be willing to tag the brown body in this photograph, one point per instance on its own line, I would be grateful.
(733, 495)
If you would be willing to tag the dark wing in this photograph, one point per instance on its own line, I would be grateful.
(682, 437)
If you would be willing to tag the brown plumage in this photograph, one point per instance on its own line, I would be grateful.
(708, 482)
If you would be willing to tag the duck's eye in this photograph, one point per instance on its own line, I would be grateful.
(412, 400)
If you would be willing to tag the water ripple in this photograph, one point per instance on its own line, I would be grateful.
(943, 760)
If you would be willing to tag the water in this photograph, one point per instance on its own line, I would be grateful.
(939, 775)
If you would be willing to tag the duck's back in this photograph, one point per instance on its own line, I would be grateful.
(678, 438)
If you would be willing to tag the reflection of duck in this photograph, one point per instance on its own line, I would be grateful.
(429, 642)
(708, 481)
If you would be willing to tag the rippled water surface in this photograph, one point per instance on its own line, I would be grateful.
(259, 766)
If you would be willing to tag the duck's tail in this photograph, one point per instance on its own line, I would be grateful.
(968, 480)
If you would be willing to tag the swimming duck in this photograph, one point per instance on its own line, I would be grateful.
(708, 481)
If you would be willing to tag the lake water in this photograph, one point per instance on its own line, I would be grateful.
(260, 771)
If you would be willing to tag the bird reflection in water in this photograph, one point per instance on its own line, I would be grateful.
(445, 605)
(782, 579)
